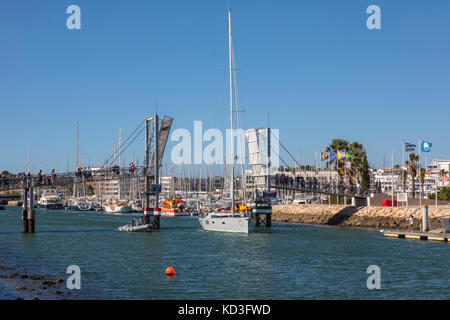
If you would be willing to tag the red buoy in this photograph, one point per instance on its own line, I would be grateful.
(170, 271)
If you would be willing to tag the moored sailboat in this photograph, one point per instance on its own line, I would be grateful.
(230, 220)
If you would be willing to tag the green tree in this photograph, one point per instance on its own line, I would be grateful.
(358, 161)
(404, 179)
(412, 167)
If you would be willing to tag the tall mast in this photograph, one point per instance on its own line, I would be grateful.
(119, 182)
(268, 152)
(77, 150)
(231, 111)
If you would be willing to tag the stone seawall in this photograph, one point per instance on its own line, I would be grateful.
(358, 217)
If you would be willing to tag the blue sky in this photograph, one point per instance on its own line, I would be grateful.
(313, 65)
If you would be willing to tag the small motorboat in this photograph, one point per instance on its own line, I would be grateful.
(84, 206)
(136, 225)
(118, 208)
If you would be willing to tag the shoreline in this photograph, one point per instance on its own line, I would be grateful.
(368, 218)
(20, 286)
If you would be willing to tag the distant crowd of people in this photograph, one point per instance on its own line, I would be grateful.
(298, 182)
(8, 181)
(311, 183)
(84, 173)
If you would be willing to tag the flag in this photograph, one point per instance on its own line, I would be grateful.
(343, 154)
(324, 155)
(410, 147)
(425, 146)
(332, 156)
(444, 178)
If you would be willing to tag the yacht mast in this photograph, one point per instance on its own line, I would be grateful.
(231, 112)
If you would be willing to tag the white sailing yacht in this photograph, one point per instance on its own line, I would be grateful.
(227, 221)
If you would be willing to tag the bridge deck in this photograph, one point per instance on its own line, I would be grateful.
(357, 194)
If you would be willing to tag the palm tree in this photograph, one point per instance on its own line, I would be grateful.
(404, 179)
(358, 154)
(412, 166)
(421, 179)
(335, 146)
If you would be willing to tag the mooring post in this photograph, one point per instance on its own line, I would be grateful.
(156, 219)
(425, 218)
(256, 219)
(30, 213)
(268, 220)
(25, 210)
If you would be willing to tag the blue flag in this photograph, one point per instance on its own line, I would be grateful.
(409, 147)
(425, 146)
(333, 156)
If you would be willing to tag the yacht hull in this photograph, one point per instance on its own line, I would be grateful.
(118, 209)
(174, 214)
(52, 206)
(225, 224)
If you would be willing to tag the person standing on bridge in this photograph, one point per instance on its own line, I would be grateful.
(53, 176)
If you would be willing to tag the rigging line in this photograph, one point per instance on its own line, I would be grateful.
(291, 156)
(236, 101)
(108, 159)
(132, 133)
(126, 147)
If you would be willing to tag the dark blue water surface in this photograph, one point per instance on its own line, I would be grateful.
(283, 262)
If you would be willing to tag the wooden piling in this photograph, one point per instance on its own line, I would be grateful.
(268, 220)
(30, 215)
(256, 219)
(24, 221)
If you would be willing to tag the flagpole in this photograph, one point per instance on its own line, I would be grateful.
(420, 168)
(403, 153)
(435, 192)
(392, 179)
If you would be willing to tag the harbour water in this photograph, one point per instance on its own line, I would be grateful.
(287, 261)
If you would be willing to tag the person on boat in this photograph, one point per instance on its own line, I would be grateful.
(133, 222)
(131, 167)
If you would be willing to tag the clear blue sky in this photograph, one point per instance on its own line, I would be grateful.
(313, 65)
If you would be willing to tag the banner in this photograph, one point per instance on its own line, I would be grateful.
(324, 156)
(425, 146)
(332, 156)
(343, 154)
(409, 147)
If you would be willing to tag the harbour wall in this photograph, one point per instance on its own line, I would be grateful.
(359, 217)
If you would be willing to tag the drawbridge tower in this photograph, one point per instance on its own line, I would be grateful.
(258, 144)
(156, 135)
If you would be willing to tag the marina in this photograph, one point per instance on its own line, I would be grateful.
(287, 261)
(168, 156)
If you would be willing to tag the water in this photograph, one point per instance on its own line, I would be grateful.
(284, 262)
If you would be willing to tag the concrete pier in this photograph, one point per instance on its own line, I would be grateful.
(443, 237)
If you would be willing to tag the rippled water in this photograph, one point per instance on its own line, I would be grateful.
(284, 262)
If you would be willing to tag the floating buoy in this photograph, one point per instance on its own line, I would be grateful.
(170, 271)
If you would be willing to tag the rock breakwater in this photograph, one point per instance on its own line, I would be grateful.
(359, 217)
